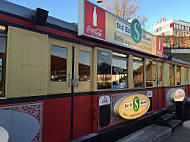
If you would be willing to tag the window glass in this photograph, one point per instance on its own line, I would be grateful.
(58, 63)
(84, 66)
(186, 75)
(104, 69)
(119, 71)
(2, 65)
(160, 72)
(178, 75)
(150, 73)
(172, 81)
(138, 72)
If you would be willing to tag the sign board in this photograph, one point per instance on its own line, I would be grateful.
(177, 95)
(95, 22)
(104, 100)
(132, 107)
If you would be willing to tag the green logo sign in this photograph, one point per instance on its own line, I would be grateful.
(136, 103)
(136, 31)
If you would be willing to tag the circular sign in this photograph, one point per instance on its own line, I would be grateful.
(132, 107)
(4, 135)
(136, 31)
(178, 95)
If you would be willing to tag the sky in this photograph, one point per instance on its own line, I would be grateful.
(154, 10)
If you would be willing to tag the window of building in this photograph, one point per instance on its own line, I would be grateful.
(172, 76)
(58, 63)
(138, 72)
(2, 65)
(175, 33)
(187, 28)
(178, 75)
(104, 69)
(119, 71)
(186, 75)
(182, 27)
(150, 73)
(84, 66)
(181, 33)
(175, 25)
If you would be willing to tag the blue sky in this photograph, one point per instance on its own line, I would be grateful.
(154, 10)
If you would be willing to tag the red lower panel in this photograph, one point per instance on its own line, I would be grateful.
(82, 124)
(57, 120)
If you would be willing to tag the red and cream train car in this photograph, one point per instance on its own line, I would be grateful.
(61, 81)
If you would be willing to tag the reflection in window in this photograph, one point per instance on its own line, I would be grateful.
(84, 66)
(172, 81)
(186, 75)
(104, 69)
(150, 73)
(178, 75)
(160, 72)
(138, 73)
(119, 71)
(2, 65)
(58, 64)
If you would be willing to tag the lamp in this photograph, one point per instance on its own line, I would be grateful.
(40, 17)
(99, 1)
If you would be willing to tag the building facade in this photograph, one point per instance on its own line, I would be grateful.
(176, 35)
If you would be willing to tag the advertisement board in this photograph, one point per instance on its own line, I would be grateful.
(95, 22)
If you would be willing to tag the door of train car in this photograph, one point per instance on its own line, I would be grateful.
(71, 81)
(82, 90)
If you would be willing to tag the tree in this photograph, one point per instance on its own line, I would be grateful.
(126, 9)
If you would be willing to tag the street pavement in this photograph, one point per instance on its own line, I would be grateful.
(180, 134)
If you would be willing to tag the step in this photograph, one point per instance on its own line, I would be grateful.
(151, 133)
(167, 116)
(174, 123)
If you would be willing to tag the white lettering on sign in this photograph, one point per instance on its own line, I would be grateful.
(95, 32)
(146, 38)
(142, 102)
(137, 36)
(128, 105)
(122, 28)
(104, 100)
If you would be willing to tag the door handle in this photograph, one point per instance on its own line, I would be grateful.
(70, 80)
(76, 80)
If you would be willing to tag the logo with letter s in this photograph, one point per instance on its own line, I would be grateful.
(136, 104)
(136, 31)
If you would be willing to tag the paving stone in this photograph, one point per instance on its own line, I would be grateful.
(151, 133)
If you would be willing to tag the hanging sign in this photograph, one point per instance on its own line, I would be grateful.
(95, 22)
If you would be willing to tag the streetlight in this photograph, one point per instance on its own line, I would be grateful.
(99, 1)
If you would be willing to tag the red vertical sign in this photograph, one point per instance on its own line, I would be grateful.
(94, 21)
(159, 47)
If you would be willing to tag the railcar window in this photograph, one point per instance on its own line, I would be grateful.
(178, 75)
(138, 72)
(186, 75)
(104, 69)
(84, 66)
(150, 73)
(172, 76)
(160, 72)
(119, 71)
(2, 65)
(58, 64)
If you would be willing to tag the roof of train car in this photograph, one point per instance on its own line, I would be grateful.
(26, 13)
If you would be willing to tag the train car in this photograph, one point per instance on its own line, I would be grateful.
(102, 77)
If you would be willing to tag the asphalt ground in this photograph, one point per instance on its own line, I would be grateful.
(180, 134)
